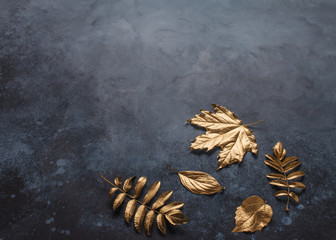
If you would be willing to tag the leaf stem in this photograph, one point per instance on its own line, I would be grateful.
(283, 171)
(253, 123)
(173, 169)
(128, 195)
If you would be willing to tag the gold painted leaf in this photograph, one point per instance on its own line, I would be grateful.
(281, 193)
(139, 217)
(162, 199)
(294, 196)
(119, 200)
(253, 215)
(295, 174)
(289, 160)
(129, 211)
(273, 165)
(149, 219)
(151, 192)
(176, 217)
(274, 159)
(128, 184)
(276, 175)
(284, 165)
(226, 131)
(139, 186)
(278, 150)
(161, 223)
(171, 206)
(292, 165)
(278, 183)
(199, 182)
(117, 181)
(112, 191)
(297, 185)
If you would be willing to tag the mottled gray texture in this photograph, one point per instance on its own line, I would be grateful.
(93, 86)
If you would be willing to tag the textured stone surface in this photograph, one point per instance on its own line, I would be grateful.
(106, 86)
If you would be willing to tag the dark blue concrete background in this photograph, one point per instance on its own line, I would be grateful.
(107, 86)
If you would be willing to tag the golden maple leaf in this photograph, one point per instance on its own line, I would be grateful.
(226, 131)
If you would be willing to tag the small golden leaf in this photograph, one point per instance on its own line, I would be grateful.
(253, 215)
(171, 206)
(139, 217)
(276, 175)
(226, 131)
(162, 199)
(139, 186)
(278, 149)
(289, 160)
(273, 165)
(117, 181)
(292, 165)
(161, 223)
(112, 191)
(149, 219)
(119, 200)
(176, 217)
(128, 184)
(278, 183)
(151, 192)
(297, 185)
(199, 182)
(129, 211)
(294, 196)
(281, 193)
(284, 165)
(295, 174)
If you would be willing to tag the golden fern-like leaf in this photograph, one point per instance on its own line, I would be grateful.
(284, 166)
(170, 212)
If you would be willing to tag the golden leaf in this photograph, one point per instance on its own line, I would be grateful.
(129, 211)
(253, 215)
(117, 181)
(171, 206)
(162, 199)
(149, 221)
(169, 211)
(139, 217)
(284, 165)
(139, 186)
(128, 184)
(151, 192)
(112, 191)
(199, 182)
(161, 223)
(119, 200)
(176, 217)
(226, 131)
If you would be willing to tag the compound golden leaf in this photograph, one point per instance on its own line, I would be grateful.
(226, 131)
(199, 182)
(283, 166)
(253, 215)
(169, 211)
